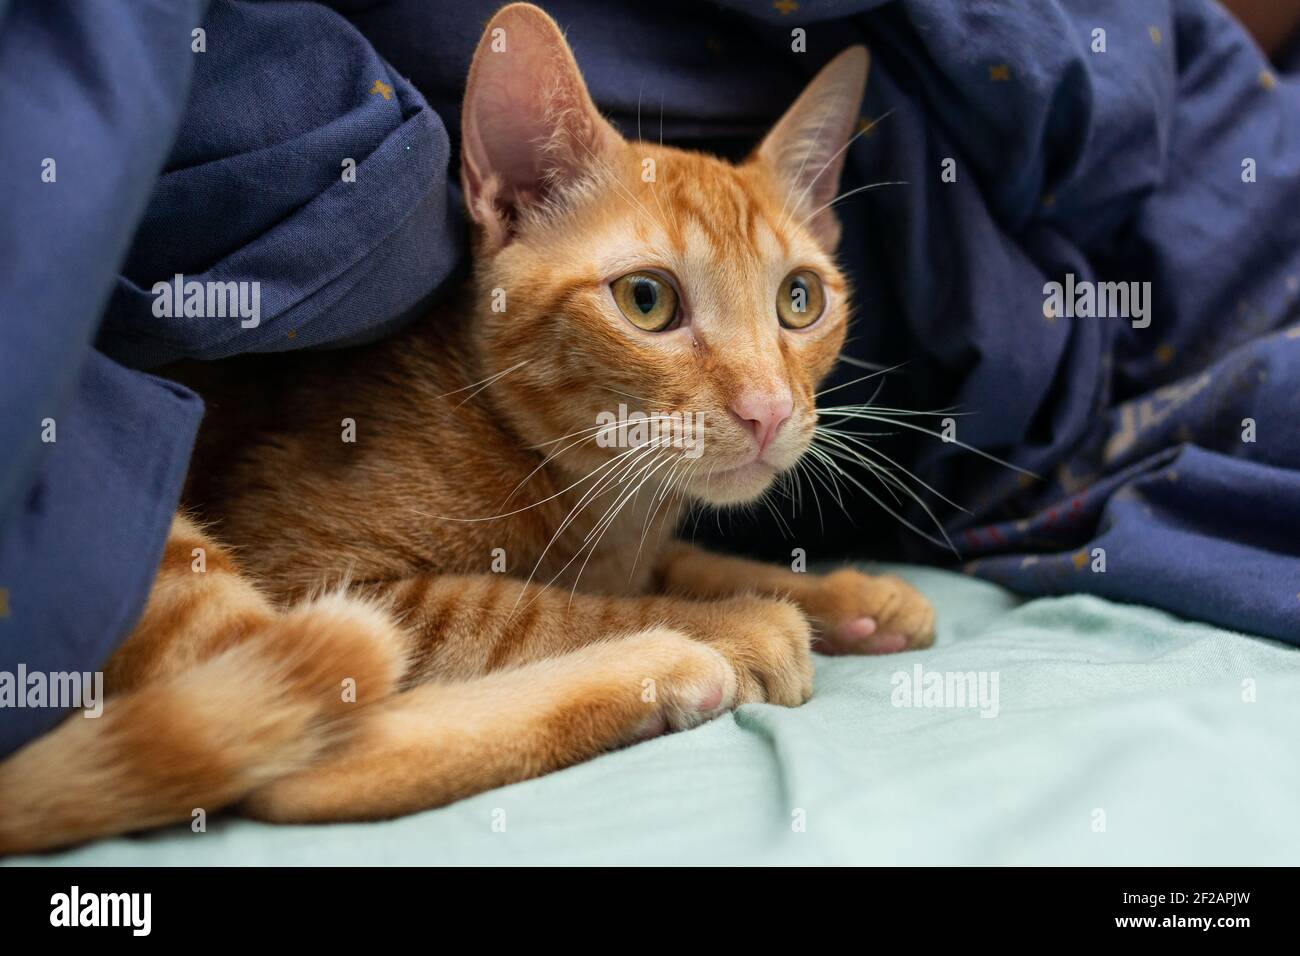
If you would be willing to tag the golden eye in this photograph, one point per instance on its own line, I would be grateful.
(801, 299)
(648, 301)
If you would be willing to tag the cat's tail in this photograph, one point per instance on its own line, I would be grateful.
(268, 694)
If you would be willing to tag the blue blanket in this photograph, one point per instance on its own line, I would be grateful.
(1041, 144)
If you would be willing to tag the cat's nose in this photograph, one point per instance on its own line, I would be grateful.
(763, 412)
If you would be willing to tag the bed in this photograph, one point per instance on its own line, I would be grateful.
(1120, 735)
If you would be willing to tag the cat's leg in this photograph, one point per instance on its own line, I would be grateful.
(213, 694)
(851, 612)
(199, 605)
(508, 681)
(464, 626)
(440, 742)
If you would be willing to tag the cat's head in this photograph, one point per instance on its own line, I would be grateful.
(621, 277)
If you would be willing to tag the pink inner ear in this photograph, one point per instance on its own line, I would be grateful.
(527, 116)
(513, 118)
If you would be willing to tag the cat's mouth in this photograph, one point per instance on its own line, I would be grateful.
(736, 484)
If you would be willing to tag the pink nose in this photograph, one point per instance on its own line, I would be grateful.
(763, 413)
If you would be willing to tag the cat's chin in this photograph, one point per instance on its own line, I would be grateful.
(734, 486)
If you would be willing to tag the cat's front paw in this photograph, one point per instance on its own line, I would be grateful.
(856, 613)
(768, 643)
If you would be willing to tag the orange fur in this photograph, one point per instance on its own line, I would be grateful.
(474, 432)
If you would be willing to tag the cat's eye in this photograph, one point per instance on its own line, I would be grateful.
(647, 300)
(800, 300)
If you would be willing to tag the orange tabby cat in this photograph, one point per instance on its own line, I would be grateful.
(607, 272)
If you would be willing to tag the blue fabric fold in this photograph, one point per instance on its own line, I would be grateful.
(1167, 455)
(91, 94)
(258, 189)
(217, 156)
(78, 558)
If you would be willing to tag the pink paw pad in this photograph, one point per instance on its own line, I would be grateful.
(860, 636)
(710, 700)
(889, 643)
(857, 630)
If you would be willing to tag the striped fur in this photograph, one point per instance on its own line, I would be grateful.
(354, 648)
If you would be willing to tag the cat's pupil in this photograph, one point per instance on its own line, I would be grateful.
(645, 295)
(798, 292)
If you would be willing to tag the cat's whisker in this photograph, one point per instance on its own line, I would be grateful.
(862, 363)
(683, 500)
(926, 431)
(546, 461)
(588, 430)
(508, 514)
(765, 500)
(836, 477)
(639, 479)
(801, 464)
(883, 371)
(594, 433)
(836, 451)
(829, 468)
(837, 422)
(802, 478)
(888, 478)
(849, 443)
(851, 446)
(589, 544)
(665, 490)
(846, 195)
(483, 383)
(897, 517)
(876, 394)
(669, 460)
(884, 410)
(586, 499)
(614, 479)
(790, 487)
(826, 477)
(866, 446)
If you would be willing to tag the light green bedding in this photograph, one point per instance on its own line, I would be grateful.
(1108, 716)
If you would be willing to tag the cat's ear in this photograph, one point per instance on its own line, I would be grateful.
(806, 148)
(528, 123)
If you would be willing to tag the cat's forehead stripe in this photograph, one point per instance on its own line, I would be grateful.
(726, 217)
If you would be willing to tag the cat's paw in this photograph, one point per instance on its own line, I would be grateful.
(767, 643)
(686, 683)
(856, 613)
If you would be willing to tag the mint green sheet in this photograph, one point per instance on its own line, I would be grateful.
(1122, 736)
